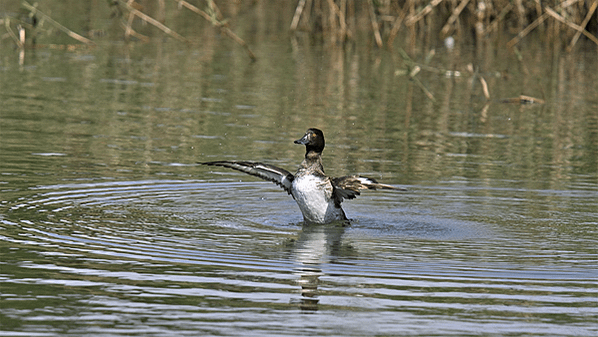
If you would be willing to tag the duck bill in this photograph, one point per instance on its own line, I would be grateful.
(302, 141)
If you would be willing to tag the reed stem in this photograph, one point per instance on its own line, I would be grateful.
(35, 11)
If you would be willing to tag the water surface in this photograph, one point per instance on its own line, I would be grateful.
(108, 227)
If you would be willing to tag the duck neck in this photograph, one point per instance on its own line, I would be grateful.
(311, 154)
(312, 162)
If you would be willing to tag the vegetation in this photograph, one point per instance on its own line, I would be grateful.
(339, 21)
(378, 23)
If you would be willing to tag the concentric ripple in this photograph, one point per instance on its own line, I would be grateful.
(150, 257)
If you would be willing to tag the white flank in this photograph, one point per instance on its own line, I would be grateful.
(313, 195)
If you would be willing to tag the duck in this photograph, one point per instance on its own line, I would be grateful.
(318, 196)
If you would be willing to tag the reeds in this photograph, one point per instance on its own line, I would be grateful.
(131, 10)
(471, 21)
(35, 12)
(212, 14)
(338, 20)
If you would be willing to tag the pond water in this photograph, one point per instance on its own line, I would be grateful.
(108, 227)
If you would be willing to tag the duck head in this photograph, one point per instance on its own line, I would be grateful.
(313, 140)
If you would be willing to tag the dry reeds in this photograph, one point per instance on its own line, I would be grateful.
(339, 21)
(215, 17)
(565, 8)
(466, 20)
(212, 14)
(336, 19)
(35, 12)
(133, 11)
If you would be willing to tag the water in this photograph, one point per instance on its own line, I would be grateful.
(108, 227)
(164, 256)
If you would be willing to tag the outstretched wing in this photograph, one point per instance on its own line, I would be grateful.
(281, 177)
(348, 187)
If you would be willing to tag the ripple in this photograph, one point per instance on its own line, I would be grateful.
(49, 154)
(152, 255)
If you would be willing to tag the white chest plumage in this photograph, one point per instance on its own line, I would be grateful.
(314, 197)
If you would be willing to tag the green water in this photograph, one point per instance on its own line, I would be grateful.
(107, 226)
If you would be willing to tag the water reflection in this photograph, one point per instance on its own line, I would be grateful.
(315, 246)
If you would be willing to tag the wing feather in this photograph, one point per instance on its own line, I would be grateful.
(277, 175)
(348, 187)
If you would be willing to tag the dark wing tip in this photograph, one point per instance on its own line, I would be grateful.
(277, 175)
(356, 183)
(348, 187)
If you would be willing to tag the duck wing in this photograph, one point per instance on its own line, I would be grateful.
(348, 187)
(277, 175)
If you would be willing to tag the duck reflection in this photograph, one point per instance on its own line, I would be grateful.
(316, 246)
